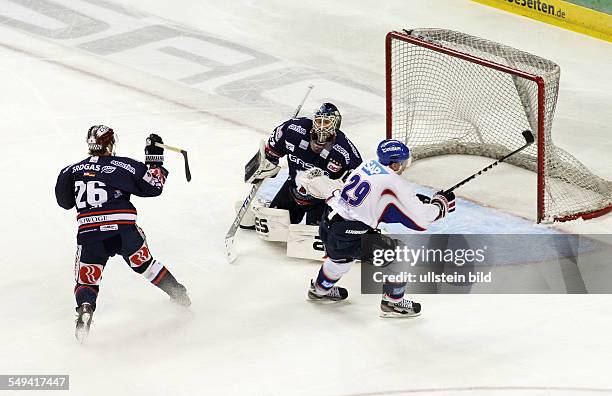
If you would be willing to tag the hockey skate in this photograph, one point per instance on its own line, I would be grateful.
(181, 297)
(401, 309)
(83, 321)
(178, 295)
(176, 291)
(335, 294)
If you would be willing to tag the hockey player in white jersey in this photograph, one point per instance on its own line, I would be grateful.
(373, 193)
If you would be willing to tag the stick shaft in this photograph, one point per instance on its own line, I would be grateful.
(165, 146)
(299, 108)
(483, 170)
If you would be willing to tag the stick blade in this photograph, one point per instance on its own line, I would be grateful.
(187, 170)
(528, 136)
(230, 250)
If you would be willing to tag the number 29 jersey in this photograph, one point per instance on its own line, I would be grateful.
(100, 189)
(374, 193)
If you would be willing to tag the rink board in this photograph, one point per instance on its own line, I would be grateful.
(560, 13)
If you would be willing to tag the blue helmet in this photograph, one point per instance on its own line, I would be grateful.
(391, 150)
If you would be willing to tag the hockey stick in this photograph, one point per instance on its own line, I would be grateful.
(230, 250)
(529, 139)
(178, 150)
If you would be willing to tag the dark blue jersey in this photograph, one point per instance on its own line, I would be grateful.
(100, 189)
(292, 138)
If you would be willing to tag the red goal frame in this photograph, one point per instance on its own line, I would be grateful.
(395, 35)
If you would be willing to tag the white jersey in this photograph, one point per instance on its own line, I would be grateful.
(374, 193)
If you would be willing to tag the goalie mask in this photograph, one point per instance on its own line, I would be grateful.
(325, 125)
(101, 140)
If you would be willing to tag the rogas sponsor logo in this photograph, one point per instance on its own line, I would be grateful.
(87, 167)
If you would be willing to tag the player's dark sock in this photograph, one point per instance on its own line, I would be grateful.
(86, 294)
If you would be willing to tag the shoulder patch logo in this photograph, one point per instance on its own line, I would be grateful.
(290, 146)
(108, 169)
(303, 144)
(372, 168)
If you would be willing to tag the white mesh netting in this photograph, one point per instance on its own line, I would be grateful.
(446, 104)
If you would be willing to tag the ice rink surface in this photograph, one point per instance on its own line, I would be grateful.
(250, 330)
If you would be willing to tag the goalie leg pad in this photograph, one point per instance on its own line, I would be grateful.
(304, 242)
(271, 224)
(248, 220)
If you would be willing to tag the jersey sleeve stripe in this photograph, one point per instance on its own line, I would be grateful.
(400, 217)
(270, 151)
(105, 223)
(106, 212)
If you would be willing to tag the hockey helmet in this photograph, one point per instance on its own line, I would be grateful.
(391, 151)
(325, 124)
(101, 139)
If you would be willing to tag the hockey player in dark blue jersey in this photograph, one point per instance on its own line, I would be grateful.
(100, 187)
(307, 143)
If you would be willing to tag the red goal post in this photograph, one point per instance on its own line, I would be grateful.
(451, 93)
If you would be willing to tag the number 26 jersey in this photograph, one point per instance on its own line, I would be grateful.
(100, 189)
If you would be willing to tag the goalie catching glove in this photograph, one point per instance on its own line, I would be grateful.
(445, 201)
(316, 183)
(260, 167)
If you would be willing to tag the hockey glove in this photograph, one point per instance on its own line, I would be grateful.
(445, 202)
(315, 183)
(260, 167)
(154, 156)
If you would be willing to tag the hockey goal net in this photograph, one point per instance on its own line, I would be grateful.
(452, 93)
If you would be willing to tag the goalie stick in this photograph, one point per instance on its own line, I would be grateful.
(230, 250)
(178, 150)
(529, 139)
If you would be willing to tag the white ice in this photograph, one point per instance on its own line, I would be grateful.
(250, 329)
